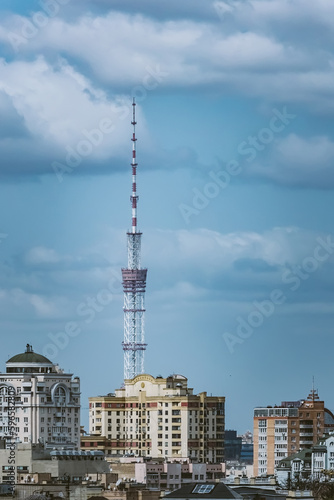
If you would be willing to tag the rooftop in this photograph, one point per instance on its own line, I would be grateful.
(29, 356)
(204, 490)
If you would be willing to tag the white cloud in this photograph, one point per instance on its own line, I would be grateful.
(184, 266)
(59, 106)
(123, 49)
(31, 305)
(295, 160)
(210, 250)
(41, 255)
(43, 308)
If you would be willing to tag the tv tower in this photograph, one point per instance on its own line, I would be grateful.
(134, 283)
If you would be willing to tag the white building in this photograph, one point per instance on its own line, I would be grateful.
(39, 403)
(315, 463)
(323, 456)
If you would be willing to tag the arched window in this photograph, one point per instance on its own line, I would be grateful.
(59, 396)
(3, 394)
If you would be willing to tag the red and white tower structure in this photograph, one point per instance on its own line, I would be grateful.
(134, 283)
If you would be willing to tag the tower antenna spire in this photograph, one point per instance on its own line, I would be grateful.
(134, 282)
(134, 164)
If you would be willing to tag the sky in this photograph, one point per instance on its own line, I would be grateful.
(235, 107)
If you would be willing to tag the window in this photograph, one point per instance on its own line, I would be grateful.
(203, 488)
(59, 396)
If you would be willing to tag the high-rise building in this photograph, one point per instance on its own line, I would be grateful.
(39, 403)
(158, 417)
(232, 445)
(280, 431)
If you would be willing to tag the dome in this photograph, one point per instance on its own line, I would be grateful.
(29, 356)
(29, 362)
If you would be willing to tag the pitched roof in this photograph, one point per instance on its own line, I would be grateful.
(304, 455)
(219, 491)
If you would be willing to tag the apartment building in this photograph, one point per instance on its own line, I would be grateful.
(170, 476)
(283, 430)
(39, 403)
(158, 418)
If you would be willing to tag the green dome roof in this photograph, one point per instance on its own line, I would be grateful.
(29, 356)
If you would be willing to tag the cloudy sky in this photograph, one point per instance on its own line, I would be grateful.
(235, 150)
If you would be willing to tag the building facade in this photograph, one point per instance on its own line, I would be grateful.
(323, 457)
(34, 463)
(158, 418)
(39, 403)
(281, 431)
(169, 476)
(233, 445)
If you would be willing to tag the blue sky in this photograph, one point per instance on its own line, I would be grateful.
(235, 178)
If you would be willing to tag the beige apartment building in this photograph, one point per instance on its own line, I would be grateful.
(158, 418)
(280, 431)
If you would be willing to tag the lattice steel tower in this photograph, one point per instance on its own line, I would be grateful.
(134, 283)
